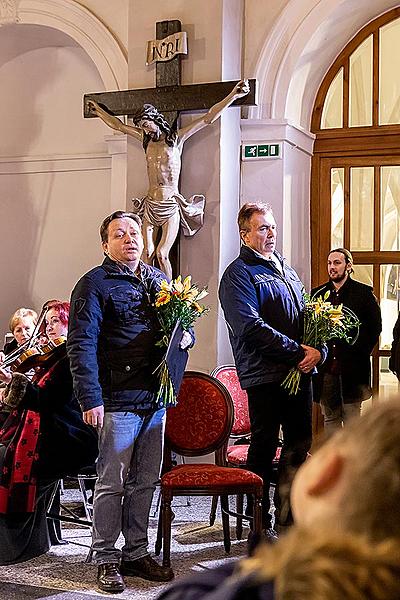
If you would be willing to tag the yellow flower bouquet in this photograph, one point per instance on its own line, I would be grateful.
(177, 306)
(323, 321)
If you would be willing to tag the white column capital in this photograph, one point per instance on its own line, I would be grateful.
(277, 130)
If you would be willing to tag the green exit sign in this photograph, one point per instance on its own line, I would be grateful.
(261, 151)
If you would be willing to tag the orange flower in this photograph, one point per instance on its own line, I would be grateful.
(162, 298)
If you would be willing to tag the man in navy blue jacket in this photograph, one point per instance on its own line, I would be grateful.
(262, 299)
(113, 356)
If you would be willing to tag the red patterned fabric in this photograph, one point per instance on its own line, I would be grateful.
(237, 455)
(228, 377)
(18, 438)
(199, 419)
(206, 475)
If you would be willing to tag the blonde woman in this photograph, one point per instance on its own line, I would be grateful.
(22, 324)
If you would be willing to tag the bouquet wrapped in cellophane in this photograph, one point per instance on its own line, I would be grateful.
(177, 306)
(323, 321)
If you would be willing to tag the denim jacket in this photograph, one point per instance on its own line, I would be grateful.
(263, 310)
(113, 329)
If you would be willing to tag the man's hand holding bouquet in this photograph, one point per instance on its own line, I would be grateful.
(323, 321)
(178, 308)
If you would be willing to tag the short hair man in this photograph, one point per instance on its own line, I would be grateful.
(112, 351)
(262, 298)
(344, 380)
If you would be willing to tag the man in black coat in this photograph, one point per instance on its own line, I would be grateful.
(344, 380)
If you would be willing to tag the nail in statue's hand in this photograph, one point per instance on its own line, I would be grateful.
(243, 88)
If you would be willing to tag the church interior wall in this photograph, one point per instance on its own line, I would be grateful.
(113, 14)
(54, 167)
(45, 81)
(258, 22)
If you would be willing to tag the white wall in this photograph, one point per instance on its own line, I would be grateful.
(114, 15)
(54, 168)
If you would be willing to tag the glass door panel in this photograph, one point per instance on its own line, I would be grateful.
(364, 273)
(390, 208)
(337, 207)
(360, 88)
(332, 113)
(389, 73)
(362, 208)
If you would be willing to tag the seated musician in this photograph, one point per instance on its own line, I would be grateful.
(22, 325)
(43, 439)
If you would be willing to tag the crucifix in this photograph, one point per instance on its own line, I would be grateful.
(155, 113)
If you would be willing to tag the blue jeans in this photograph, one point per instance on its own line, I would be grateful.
(128, 468)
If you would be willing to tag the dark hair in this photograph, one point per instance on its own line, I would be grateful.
(118, 214)
(347, 256)
(248, 210)
(150, 113)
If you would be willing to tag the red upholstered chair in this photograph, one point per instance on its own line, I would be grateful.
(236, 454)
(200, 424)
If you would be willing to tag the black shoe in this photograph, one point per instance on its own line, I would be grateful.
(109, 578)
(146, 568)
(270, 535)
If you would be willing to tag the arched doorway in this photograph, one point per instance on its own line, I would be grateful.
(355, 191)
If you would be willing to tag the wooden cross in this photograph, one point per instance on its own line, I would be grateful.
(169, 97)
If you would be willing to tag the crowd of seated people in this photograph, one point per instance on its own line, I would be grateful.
(42, 439)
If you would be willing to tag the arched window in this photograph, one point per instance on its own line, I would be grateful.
(355, 191)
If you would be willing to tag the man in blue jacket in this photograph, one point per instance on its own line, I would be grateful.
(112, 351)
(262, 299)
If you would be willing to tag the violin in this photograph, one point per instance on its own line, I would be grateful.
(39, 356)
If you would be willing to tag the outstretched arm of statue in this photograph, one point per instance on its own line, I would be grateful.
(241, 89)
(114, 122)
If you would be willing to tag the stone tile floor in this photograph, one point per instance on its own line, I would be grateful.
(62, 573)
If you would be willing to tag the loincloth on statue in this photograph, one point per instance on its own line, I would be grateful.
(158, 212)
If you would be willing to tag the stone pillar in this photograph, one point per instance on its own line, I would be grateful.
(284, 183)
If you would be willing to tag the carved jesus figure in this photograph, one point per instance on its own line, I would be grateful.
(164, 206)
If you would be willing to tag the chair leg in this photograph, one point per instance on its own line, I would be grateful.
(166, 529)
(257, 515)
(88, 506)
(225, 522)
(213, 511)
(158, 546)
(158, 502)
(239, 520)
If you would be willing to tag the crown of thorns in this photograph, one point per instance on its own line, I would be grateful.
(150, 112)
